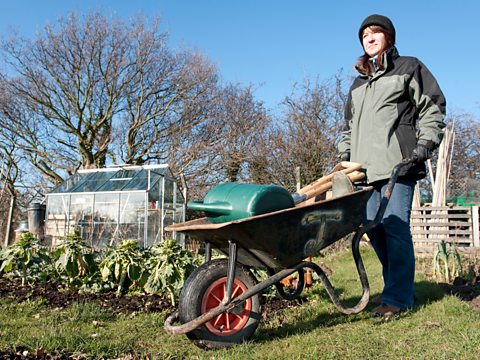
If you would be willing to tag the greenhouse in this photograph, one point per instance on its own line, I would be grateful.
(113, 204)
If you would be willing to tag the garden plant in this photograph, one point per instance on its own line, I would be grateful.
(440, 326)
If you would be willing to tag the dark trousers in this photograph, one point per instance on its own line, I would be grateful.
(392, 241)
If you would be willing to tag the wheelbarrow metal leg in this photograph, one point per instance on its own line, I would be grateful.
(232, 263)
(298, 289)
(208, 251)
(206, 317)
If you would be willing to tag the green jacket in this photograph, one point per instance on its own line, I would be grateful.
(387, 113)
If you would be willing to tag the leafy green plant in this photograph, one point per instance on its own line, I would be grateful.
(447, 264)
(169, 266)
(75, 259)
(21, 255)
(123, 266)
(442, 327)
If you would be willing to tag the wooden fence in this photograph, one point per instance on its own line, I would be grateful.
(457, 225)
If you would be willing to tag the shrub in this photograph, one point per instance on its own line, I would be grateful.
(75, 259)
(22, 255)
(168, 265)
(123, 266)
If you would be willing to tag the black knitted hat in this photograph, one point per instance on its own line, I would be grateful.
(379, 20)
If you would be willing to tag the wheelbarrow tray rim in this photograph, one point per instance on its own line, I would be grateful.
(204, 224)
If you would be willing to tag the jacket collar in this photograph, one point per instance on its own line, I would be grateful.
(387, 57)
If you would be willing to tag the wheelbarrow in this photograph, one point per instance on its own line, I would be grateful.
(220, 303)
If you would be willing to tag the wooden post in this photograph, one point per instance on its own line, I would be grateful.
(297, 178)
(475, 227)
(184, 206)
(9, 220)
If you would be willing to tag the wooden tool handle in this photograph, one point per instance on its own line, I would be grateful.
(317, 188)
(322, 187)
(345, 166)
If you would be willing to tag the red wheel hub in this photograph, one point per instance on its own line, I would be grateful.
(226, 324)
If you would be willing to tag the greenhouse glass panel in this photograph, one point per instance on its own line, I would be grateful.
(155, 177)
(69, 183)
(160, 191)
(118, 181)
(81, 215)
(57, 216)
(138, 182)
(179, 207)
(114, 204)
(105, 219)
(168, 197)
(92, 181)
(132, 216)
(154, 195)
(168, 203)
(154, 227)
(179, 214)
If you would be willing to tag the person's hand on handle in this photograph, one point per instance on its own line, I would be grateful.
(423, 151)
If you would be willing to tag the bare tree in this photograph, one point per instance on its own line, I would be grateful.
(171, 94)
(240, 122)
(464, 176)
(65, 92)
(466, 151)
(90, 88)
(306, 136)
(222, 148)
(265, 163)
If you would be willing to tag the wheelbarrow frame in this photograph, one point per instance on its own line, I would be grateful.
(228, 304)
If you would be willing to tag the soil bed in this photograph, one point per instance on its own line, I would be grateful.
(58, 297)
(469, 292)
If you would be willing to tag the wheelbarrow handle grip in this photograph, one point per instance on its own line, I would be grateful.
(390, 185)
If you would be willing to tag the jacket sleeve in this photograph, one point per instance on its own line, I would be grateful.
(344, 143)
(430, 103)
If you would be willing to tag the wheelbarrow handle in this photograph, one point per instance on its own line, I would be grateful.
(389, 189)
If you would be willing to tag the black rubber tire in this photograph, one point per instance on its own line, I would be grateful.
(192, 296)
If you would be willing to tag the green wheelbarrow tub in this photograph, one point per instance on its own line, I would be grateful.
(284, 237)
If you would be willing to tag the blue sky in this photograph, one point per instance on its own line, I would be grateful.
(273, 44)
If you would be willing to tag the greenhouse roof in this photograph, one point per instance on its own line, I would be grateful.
(125, 178)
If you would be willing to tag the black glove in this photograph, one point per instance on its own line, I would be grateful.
(423, 151)
(345, 156)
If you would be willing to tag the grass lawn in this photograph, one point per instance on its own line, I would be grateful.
(440, 327)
